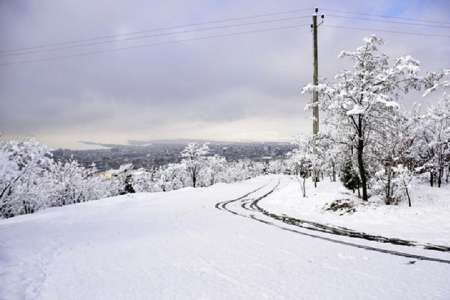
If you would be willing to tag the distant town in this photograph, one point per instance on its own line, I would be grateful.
(154, 154)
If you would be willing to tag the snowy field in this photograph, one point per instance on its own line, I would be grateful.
(427, 221)
(178, 245)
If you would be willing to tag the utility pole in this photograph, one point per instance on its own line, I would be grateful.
(315, 100)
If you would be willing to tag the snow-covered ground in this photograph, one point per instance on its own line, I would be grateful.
(427, 221)
(177, 245)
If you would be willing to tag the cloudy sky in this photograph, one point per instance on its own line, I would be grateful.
(237, 87)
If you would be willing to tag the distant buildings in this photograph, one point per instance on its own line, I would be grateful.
(157, 154)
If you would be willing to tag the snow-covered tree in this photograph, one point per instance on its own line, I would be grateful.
(122, 179)
(24, 177)
(349, 176)
(363, 99)
(433, 134)
(314, 150)
(194, 157)
(402, 182)
(213, 170)
(237, 171)
(331, 155)
(171, 177)
(392, 147)
(145, 180)
(73, 183)
(301, 167)
(278, 166)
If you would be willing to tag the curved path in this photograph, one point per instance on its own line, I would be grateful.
(248, 206)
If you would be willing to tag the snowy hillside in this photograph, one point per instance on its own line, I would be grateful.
(425, 221)
(198, 244)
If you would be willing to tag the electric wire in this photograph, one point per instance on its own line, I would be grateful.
(386, 16)
(152, 45)
(386, 30)
(388, 21)
(161, 34)
(185, 29)
(156, 30)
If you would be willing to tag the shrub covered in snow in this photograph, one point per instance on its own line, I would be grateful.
(30, 179)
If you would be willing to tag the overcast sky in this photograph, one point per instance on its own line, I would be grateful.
(241, 87)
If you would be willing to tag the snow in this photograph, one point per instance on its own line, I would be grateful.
(425, 222)
(177, 245)
(356, 110)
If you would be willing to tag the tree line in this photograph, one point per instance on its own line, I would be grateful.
(377, 145)
(30, 179)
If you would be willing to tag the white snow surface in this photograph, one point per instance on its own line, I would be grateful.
(427, 221)
(177, 245)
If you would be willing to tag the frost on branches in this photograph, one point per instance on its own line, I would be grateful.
(302, 166)
(73, 183)
(363, 100)
(25, 177)
(432, 129)
(30, 179)
(194, 159)
(364, 125)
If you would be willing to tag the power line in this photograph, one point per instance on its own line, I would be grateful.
(155, 30)
(211, 37)
(214, 22)
(388, 31)
(387, 17)
(126, 36)
(152, 45)
(389, 21)
(129, 36)
(30, 52)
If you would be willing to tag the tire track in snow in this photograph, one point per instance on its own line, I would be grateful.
(250, 204)
(337, 230)
(223, 205)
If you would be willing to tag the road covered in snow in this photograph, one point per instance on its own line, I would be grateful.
(205, 243)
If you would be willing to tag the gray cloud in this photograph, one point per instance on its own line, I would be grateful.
(241, 87)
